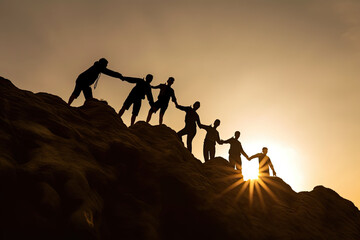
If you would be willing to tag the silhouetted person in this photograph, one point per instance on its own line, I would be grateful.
(136, 95)
(212, 136)
(191, 119)
(166, 92)
(264, 163)
(235, 151)
(87, 78)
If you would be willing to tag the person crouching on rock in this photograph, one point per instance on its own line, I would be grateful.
(191, 119)
(136, 95)
(90, 76)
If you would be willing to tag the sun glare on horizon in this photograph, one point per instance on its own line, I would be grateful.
(285, 159)
(250, 170)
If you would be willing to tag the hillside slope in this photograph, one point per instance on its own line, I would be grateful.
(80, 173)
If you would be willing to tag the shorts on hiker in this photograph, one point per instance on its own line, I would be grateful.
(82, 87)
(136, 104)
(160, 105)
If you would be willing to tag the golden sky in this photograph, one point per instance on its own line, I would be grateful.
(285, 73)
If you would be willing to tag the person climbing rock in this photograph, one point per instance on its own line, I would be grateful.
(89, 77)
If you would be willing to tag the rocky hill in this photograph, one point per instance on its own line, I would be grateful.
(80, 173)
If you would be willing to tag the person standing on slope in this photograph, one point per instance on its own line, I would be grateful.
(87, 78)
(264, 163)
(191, 119)
(136, 95)
(166, 92)
(212, 136)
(235, 151)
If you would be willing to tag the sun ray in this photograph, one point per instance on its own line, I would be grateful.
(267, 189)
(232, 186)
(251, 192)
(232, 176)
(243, 188)
(259, 193)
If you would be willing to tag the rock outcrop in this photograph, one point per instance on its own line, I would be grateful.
(80, 173)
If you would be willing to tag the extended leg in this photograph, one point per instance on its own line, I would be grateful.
(206, 152)
(133, 118)
(136, 109)
(161, 116)
(212, 151)
(71, 99)
(190, 137)
(181, 133)
(149, 115)
(122, 110)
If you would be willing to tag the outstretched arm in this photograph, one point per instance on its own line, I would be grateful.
(243, 152)
(131, 79)
(218, 139)
(198, 121)
(183, 108)
(158, 86)
(173, 98)
(254, 156)
(112, 73)
(206, 127)
(272, 167)
(226, 141)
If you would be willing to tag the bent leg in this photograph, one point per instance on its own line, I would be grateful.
(75, 93)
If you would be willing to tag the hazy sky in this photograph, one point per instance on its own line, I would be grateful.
(283, 72)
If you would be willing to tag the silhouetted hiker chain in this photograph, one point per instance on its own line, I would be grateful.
(143, 87)
(191, 119)
(166, 92)
(87, 78)
(235, 151)
(212, 136)
(137, 94)
(264, 163)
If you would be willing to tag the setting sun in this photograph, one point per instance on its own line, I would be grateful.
(250, 170)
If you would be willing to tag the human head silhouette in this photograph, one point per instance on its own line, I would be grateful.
(170, 81)
(149, 78)
(103, 62)
(216, 123)
(196, 105)
(264, 150)
(237, 134)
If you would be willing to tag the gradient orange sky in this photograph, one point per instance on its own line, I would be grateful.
(285, 73)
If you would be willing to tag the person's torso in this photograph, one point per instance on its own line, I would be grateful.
(165, 93)
(263, 163)
(211, 135)
(191, 117)
(235, 147)
(90, 75)
(140, 89)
